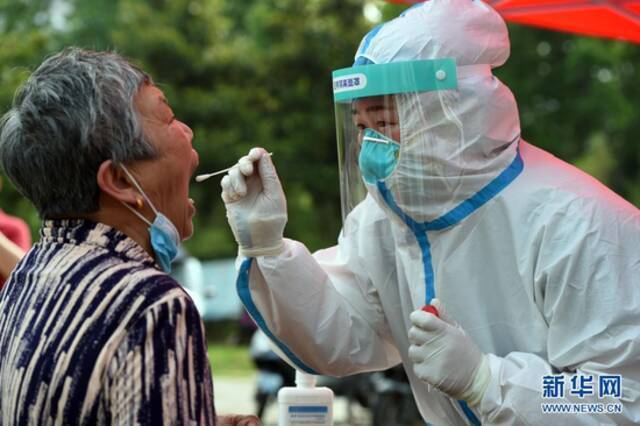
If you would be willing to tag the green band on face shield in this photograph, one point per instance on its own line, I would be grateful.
(392, 78)
(378, 156)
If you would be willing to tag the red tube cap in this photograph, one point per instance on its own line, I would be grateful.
(431, 309)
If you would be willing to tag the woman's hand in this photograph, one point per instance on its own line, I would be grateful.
(238, 420)
(10, 255)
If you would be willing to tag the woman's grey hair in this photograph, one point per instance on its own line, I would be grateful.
(73, 113)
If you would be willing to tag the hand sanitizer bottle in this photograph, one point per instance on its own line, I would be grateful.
(305, 405)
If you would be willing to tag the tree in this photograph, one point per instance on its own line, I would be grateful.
(242, 75)
(24, 40)
(577, 101)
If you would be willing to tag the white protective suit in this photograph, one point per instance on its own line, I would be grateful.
(538, 262)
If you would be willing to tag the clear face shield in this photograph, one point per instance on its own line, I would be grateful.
(389, 120)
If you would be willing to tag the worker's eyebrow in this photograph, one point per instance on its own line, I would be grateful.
(372, 108)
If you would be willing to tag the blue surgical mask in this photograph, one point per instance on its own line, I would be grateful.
(165, 238)
(378, 156)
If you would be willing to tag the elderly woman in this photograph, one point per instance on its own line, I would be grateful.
(92, 329)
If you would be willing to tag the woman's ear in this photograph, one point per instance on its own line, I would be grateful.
(114, 182)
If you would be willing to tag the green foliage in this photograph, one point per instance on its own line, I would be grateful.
(20, 51)
(258, 72)
(241, 74)
(577, 99)
(230, 361)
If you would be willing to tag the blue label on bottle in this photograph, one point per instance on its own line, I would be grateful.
(309, 409)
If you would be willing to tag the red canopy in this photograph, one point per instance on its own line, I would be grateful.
(618, 19)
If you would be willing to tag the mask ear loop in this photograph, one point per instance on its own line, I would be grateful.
(134, 211)
(135, 183)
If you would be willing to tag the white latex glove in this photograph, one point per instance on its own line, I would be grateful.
(256, 206)
(445, 357)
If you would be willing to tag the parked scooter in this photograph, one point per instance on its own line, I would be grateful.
(273, 372)
(394, 403)
(356, 389)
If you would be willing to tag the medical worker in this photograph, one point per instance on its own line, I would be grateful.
(533, 267)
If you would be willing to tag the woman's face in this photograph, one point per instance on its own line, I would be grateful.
(165, 179)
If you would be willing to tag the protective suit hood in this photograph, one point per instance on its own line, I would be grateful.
(453, 142)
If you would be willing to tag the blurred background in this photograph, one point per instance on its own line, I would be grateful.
(258, 73)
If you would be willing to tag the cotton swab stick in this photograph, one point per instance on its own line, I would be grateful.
(202, 178)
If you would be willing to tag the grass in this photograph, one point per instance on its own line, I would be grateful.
(230, 360)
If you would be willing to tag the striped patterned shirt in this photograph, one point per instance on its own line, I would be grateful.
(91, 332)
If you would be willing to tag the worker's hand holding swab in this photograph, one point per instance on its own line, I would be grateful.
(203, 177)
(256, 205)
